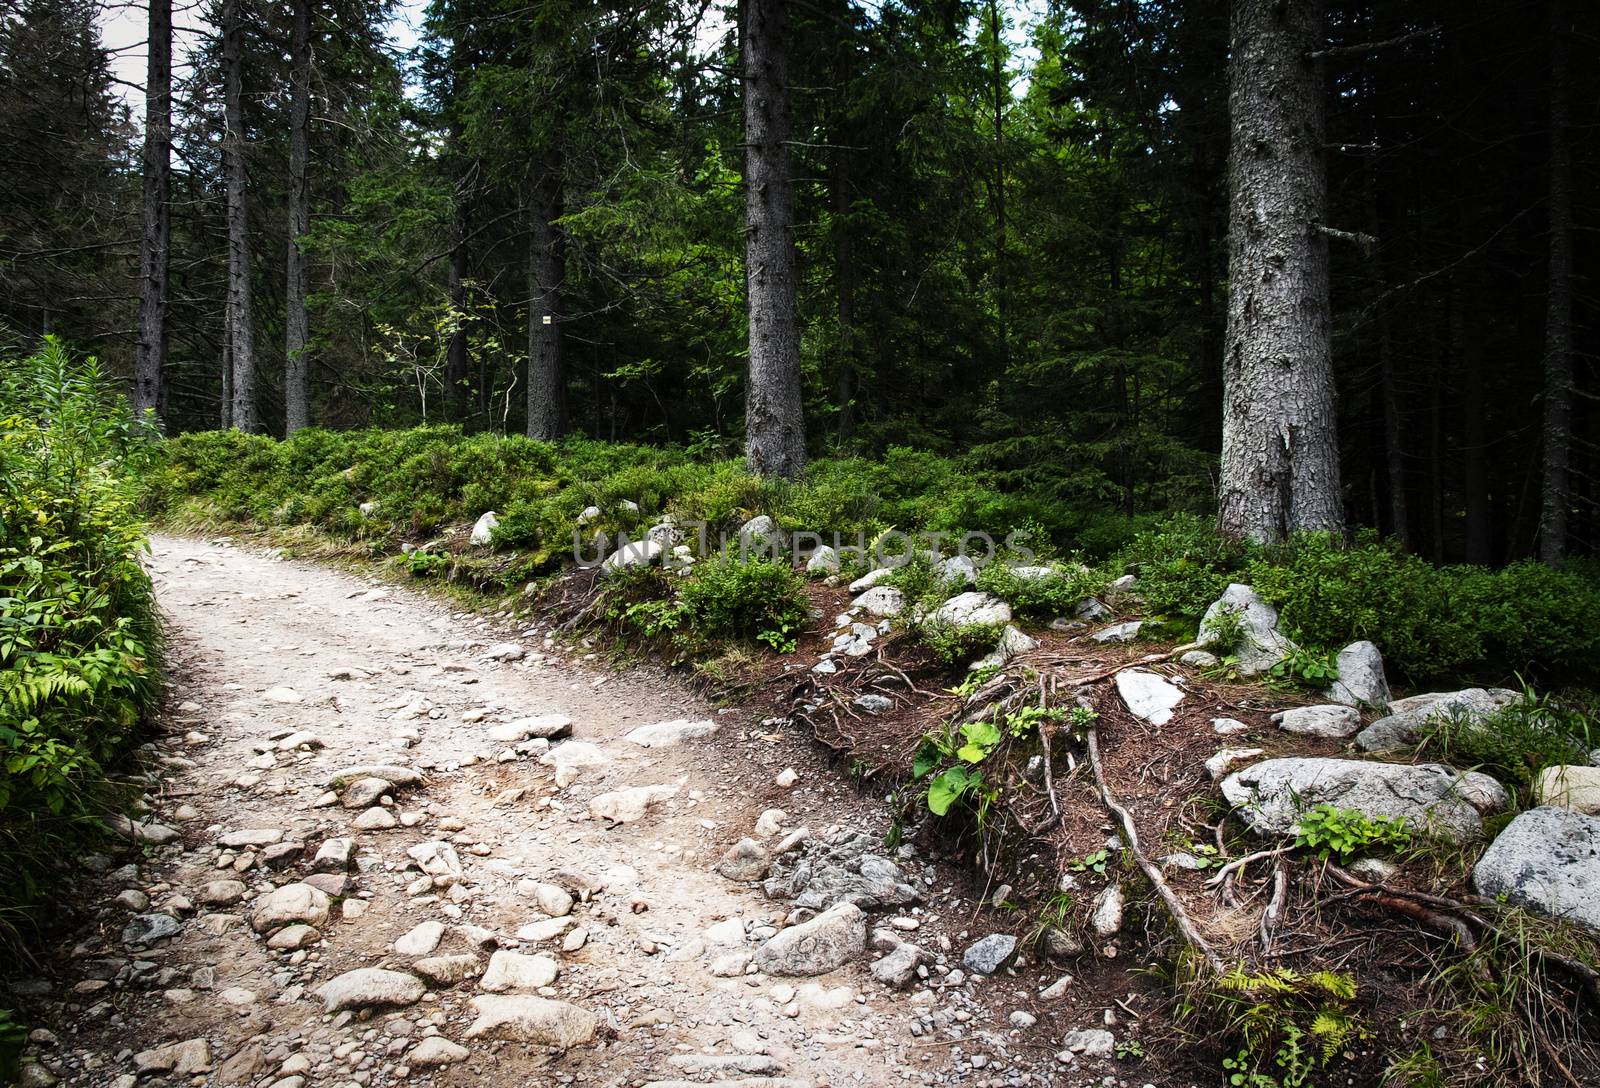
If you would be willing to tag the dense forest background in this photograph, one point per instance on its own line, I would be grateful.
(1010, 225)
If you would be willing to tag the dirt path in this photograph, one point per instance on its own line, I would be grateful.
(288, 672)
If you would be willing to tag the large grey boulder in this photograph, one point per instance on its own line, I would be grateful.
(1271, 795)
(1409, 717)
(1261, 644)
(873, 577)
(841, 867)
(1548, 860)
(1361, 678)
(828, 941)
(761, 535)
(1333, 720)
(881, 601)
(972, 610)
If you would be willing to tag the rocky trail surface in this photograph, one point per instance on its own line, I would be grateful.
(392, 843)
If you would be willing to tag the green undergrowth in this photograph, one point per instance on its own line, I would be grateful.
(1434, 624)
(79, 637)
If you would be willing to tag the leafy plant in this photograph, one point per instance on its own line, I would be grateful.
(1332, 831)
(1282, 1026)
(1307, 667)
(426, 564)
(1516, 742)
(1095, 862)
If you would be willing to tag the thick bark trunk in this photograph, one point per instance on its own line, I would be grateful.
(150, 358)
(999, 93)
(1280, 456)
(844, 274)
(241, 332)
(775, 441)
(1557, 496)
(297, 321)
(546, 270)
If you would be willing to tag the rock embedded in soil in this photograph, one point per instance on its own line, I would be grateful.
(448, 970)
(389, 772)
(145, 929)
(527, 1019)
(436, 1050)
(1331, 720)
(1548, 860)
(368, 987)
(1361, 679)
(1226, 759)
(881, 601)
(420, 940)
(366, 792)
(972, 609)
(572, 758)
(180, 1059)
(843, 866)
(288, 905)
(1409, 718)
(1105, 917)
(1261, 645)
(518, 971)
(829, 941)
(1271, 795)
(1569, 786)
(668, 734)
(1148, 695)
(990, 954)
(746, 860)
(1090, 1043)
(1119, 632)
(632, 804)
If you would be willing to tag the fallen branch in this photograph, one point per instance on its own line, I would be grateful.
(1148, 659)
(1152, 872)
(1223, 873)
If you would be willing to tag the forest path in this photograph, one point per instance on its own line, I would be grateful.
(266, 650)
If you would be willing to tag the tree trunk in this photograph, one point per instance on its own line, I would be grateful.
(1558, 303)
(297, 321)
(546, 270)
(456, 361)
(999, 93)
(241, 332)
(775, 439)
(844, 275)
(150, 357)
(1280, 453)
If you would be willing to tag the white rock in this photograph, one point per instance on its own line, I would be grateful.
(629, 805)
(436, 1050)
(1361, 678)
(1119, 632)
(828, 941)
(668, 734)
(881, 601)
(1106, 914)
(972, 609)
(1333, 720)
(483, 529)
(288, 905)
(528, 1019)
(1262, 645)
(1226, 759)
(420, 940)
(1148, 695)
(369, 986)
(572, 758)
(517, 971)
(635, 554)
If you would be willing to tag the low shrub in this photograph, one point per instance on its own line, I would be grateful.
(751, 599)
(1516, 742)
(1042, 596)
(1182, 566)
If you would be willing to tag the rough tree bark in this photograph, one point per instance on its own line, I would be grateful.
(1280, 456)
(844, 274)
(546, 270)
(999, 93)
(775, 439)
(150, 356)
(241, 332)
(297, 320)
(1558, 302)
